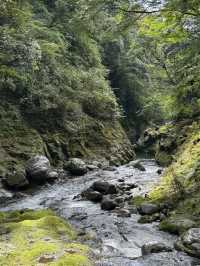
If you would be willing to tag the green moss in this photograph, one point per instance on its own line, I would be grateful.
(177, 224)
(163, 158)
(183, 172)
(138, 200)
(31, 235)
(180, 183)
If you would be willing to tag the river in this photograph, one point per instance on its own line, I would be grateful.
(115, 241)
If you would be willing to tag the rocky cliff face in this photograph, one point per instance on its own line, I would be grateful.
(55, 99)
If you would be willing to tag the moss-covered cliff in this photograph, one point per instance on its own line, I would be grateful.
(180, 184)
(55, 98)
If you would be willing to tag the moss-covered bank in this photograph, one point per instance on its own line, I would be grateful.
(180, 185)
(39, 238)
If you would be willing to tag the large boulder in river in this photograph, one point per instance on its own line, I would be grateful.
(154, 247)
(148, 208)
(108, 204)
(104, 187)
(37, 169)
(16, 179)
(137, 165)
(190, 242)
(92, 195)
(76, 166)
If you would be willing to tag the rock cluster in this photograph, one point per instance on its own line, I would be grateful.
(110, 196)
(37, 170)
(189, 242)
(152, 212)
(76, 167)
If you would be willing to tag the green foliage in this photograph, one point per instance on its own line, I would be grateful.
(53, 82)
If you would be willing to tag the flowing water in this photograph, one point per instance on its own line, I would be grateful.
(115, 241)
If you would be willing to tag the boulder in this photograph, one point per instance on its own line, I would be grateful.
(119, 200)
(137, 165)
(52, 175)
(108, 204)
(110, 168)
(121, 180)
(133, 209)
(123, 213)
(5, 195)
(149, 218)
(76, 166)
(155, 247)
(148, 208)
(127, 187)
(16, 179)
(104, 187)
(189, 242)
(92, 167)
(159, 171)
(37, 169)
(92, 195)
(176, 225)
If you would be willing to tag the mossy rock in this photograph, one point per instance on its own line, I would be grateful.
(138, 200)
(176, 225)
(33, 236)
(163, 158)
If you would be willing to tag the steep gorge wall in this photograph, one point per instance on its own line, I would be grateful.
(55, 98)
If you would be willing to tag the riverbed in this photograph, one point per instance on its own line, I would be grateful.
(114, 240)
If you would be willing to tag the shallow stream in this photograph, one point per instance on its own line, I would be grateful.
(116, 241)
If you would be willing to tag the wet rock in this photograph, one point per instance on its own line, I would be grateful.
(104, 187)
(159, 171)
(137, 165)
(103, 164)
(108, 204)
(5, 195)
(52, 175)
(19, 195)
(155, 247)
(128, 198)
(133, 210)
(92, 167)
(130, 186)
(126, 187)
(123, 212)
(190, 242)
(16, 179)
(110, 168)
(121, 180)
(79, 216)
(148, 208)
(119, 200)
(92, 195)
(149, 218)
(37, 168)
(176, 225)
(76, 166)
